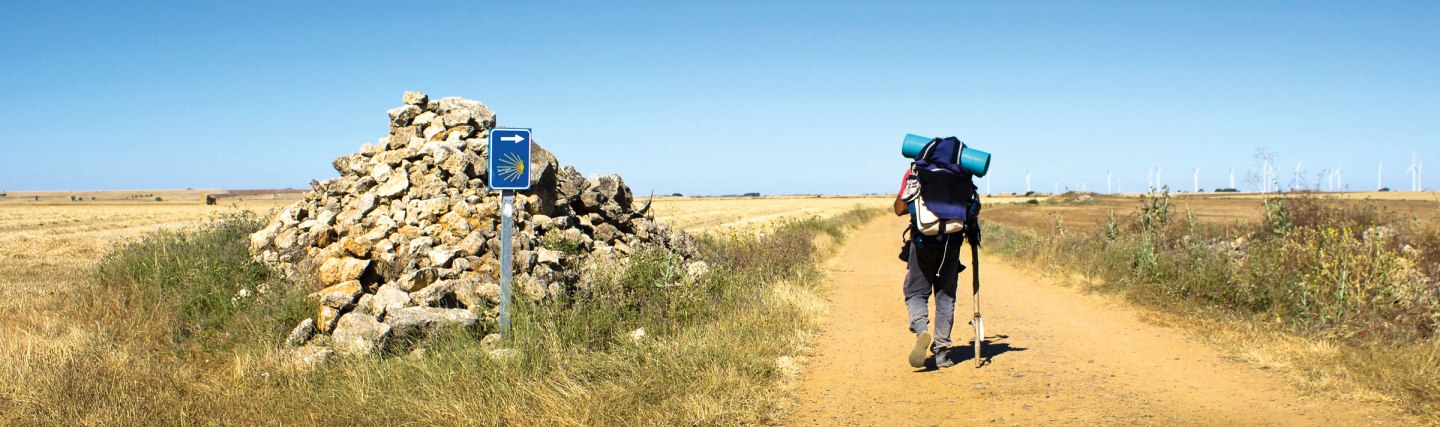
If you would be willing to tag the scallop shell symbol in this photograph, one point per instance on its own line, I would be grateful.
(512, 167)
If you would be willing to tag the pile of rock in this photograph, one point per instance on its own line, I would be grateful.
(406, 239)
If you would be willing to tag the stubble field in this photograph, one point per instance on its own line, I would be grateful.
(46, 244)
(49, 245)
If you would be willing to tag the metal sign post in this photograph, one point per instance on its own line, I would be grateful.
(507, 257)
(509, 171)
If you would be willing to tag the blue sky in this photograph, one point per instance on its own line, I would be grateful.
(724, 97)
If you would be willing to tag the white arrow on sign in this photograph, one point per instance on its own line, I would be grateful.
(513, 138)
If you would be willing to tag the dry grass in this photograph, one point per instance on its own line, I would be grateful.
(59, 368)
(48, 246)
(1338, 293)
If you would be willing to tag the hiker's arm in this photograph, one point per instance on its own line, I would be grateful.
(900, 208)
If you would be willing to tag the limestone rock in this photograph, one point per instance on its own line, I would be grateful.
(401, 116)
(415, 322)
(467, 293)
(359, 334)
(325, 318)
(415, 280)
(434, 294)
(301, 333)
(442, 255)
(549, 257)
(341, 295)
(491, 341)
(357, 246)
(388, 299)
(415, 98)
(395, 183)
(337, 270)
(309, 356)
(365, 305)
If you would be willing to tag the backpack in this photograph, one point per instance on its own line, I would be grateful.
(948, 202)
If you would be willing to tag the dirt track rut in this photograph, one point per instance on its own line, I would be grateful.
(1057, 357)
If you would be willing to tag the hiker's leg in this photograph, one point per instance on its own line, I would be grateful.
(945, 294)
(917, 289)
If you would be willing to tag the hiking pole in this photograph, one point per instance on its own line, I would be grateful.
(978, 322)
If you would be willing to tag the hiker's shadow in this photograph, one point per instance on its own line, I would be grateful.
(993, 345)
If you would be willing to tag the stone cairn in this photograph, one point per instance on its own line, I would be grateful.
(407, 238)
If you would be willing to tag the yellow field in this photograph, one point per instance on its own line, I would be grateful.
(700, 214)
(48, 243)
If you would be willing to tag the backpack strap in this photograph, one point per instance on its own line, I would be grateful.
(929, 149)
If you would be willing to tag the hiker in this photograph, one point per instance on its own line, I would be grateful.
(933, 268)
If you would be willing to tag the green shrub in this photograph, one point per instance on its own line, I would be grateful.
(179, 289)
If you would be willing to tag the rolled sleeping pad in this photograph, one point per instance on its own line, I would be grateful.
(912, 145)
(974, 161)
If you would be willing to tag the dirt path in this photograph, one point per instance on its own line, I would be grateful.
(1057, 356)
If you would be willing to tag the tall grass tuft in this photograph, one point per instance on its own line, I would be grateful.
(183, 328)
(184, 289)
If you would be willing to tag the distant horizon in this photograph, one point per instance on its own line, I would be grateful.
(1207, 191)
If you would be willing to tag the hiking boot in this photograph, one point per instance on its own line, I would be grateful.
(922, 345)
(943, 359)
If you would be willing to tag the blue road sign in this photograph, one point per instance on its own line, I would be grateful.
(510, 159)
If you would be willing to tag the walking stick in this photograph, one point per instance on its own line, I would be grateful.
(978, 322)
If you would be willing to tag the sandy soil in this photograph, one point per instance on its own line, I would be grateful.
(1053, 356)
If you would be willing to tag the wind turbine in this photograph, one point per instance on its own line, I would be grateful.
(1232, 178)
(1150, 179)
(1297, 176)
(1270, 177)
(1107, 182)
(1414, 173)
(1197, 180)
(1265, 177)
(1027, 182)
(1339, 182)
(1158, 183)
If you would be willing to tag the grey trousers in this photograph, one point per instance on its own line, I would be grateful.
(933, 270)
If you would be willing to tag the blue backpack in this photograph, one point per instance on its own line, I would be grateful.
(948, 202)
